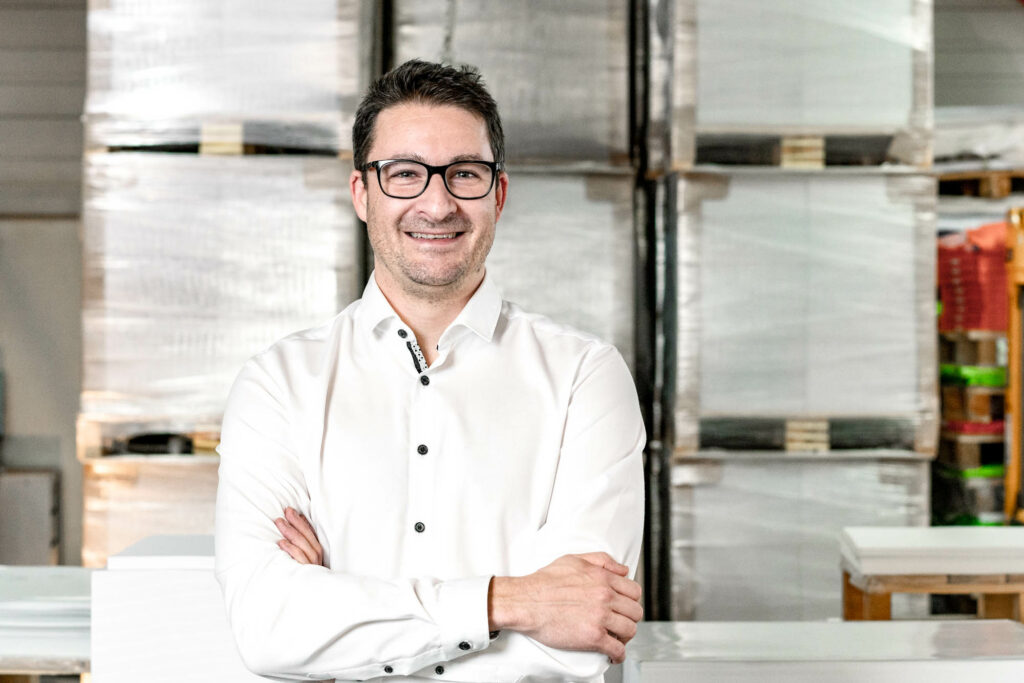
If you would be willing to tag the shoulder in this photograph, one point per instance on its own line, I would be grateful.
(562, 341)
(302, 352)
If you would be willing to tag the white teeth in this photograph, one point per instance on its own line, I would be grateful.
(427, 236)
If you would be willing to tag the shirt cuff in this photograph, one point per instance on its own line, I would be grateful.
(463, 608)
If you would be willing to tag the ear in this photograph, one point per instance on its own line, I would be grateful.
(500, 194)
(357, 188)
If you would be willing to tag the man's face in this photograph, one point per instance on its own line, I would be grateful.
(433, 245)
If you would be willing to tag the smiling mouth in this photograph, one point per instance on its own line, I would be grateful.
(434, 236)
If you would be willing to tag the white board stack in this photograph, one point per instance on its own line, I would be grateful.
(936, 550)
(44, 619)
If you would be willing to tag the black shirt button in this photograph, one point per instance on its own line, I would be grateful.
(388, 669)
(465, 646)
(403, 334)
(421, 449)
(439, 670)
(419, 527)
(424, 380)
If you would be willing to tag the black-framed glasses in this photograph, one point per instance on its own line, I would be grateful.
(408, 179)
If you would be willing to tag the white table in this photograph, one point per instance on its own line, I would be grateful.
(158, 616)
(830, 652)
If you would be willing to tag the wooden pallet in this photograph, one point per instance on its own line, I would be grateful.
(228, 139)
(992, 184)
(870, 597)
(973, 347)
(813, 435)
(794, 151)
(973, 404)
(968, 451)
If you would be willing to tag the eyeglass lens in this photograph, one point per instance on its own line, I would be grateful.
(407, 179)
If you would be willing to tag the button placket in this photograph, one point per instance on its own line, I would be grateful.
(422, 437)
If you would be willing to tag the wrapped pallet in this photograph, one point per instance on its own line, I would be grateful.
(192, 264)
(804, 312)
(581, 114)
(288, 73)
(565, 248)
(782, 515)
(127, 499)
(816, 67)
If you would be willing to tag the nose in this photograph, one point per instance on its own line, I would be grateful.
(436, 202)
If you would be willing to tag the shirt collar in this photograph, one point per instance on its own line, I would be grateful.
(373, 307)
(480, 314)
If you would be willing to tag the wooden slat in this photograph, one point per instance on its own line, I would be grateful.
(997, 606)
(959, 579)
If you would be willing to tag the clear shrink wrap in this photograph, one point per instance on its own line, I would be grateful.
(290, 72)
(559, 71)
(756, 537)
(192, 264)
(968, 138)
(817, 67)
(565, 247)
(804, 297)
(129, 498)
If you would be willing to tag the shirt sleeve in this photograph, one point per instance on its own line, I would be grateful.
(597, 501)
(307, 622)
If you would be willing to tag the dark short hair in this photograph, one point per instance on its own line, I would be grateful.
(428, 83)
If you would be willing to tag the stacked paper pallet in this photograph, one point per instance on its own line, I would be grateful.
(799, 311)
(216, 220)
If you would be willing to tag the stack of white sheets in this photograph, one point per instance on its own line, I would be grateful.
(935, 550)
(44, 619)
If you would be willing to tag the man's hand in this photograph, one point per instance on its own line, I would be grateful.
(578, 602)
(299, 538)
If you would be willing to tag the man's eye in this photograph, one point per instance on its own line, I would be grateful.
(404, 173)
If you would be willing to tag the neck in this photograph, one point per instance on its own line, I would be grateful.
(428, 311)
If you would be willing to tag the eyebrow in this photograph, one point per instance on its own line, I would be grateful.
(454, 159)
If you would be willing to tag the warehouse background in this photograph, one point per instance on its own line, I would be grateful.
(741, 195)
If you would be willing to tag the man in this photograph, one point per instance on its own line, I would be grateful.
(435, 485)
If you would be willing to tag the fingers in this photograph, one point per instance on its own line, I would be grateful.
(605, 561)
(621, 628)
(299, 521)
(294, 551)
(628, 608)
(614, 648)
(631, 589)
(296, 544)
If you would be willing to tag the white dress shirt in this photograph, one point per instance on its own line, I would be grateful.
(520, 444)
